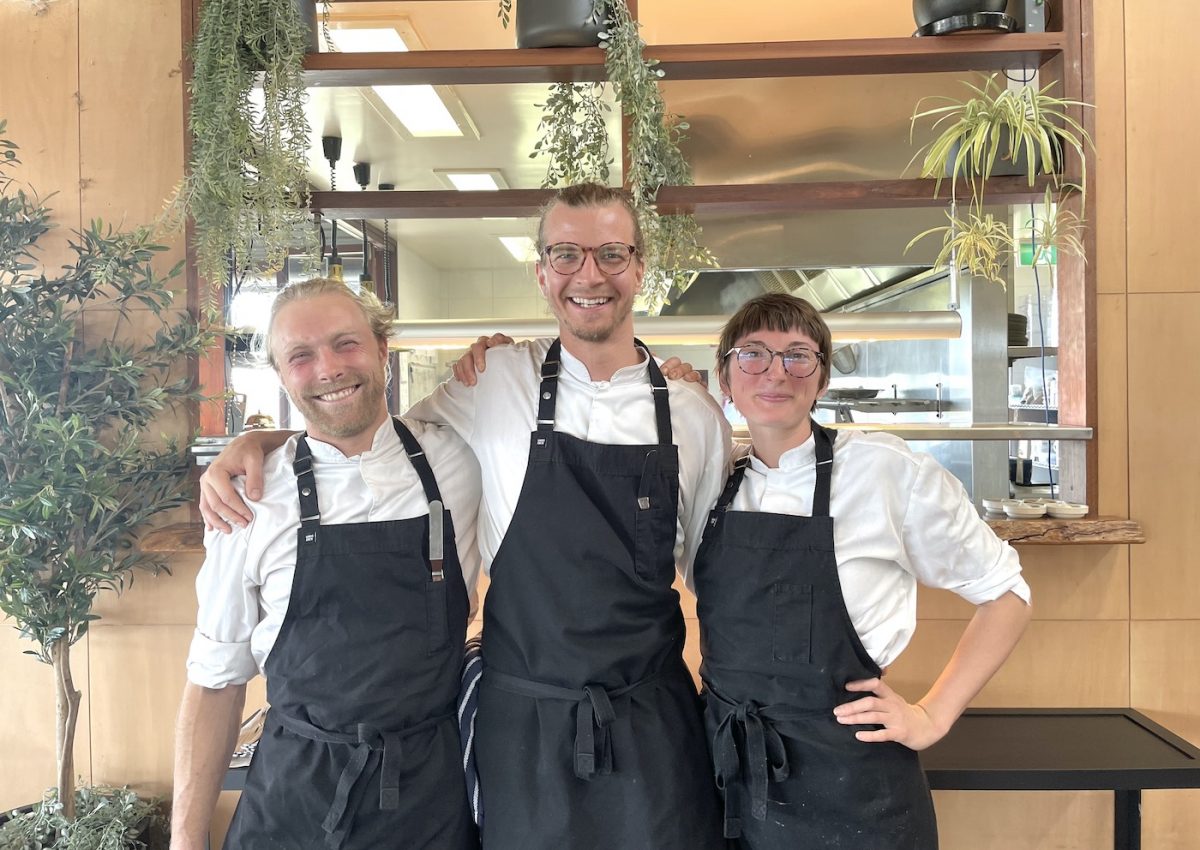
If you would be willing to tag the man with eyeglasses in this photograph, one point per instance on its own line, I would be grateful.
(597, 476)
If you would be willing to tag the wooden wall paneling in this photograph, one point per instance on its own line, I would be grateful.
(1109, 179)
(1067, 582)
(1162, 127)
(40, 73)
(1112, 403)
(704, 21)
(27, 706)
(162, 600)
(1005, 820)
(138, 673)
(1170, 819)
(1164, 657)
(1164, 455)
(1057, 663)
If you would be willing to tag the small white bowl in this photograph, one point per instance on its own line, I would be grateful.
(995, 506)
(1024, 510)
(1066, 510)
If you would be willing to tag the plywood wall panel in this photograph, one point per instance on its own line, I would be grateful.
(1006, 820)
(1057, 663)
(39, 79)
(1112, 391)
(1161, 131)
(700, 21)
(1164, 657)
(1067, 582)
(1170, 819)
(1109, 181)
(138, 675)
(1164, 454)
(155, 600)
(27, 733)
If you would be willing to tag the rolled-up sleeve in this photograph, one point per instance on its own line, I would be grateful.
(949, 546)
(228, 611)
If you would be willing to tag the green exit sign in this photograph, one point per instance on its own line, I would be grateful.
(1047, 258)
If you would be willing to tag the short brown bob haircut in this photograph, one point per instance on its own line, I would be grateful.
(775, 312)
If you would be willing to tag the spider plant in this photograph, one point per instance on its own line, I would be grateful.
(998, 122)
(979, 244)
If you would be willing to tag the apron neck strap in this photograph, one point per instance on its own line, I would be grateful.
(306, 483)
(420, 463)
(823, 444)
(823, 448)
(548, 392)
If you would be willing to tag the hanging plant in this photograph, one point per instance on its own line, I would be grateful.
(572, 134)
(247, 187)
(1024, 129)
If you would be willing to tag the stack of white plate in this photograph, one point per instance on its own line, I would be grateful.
(1019, 509)
(1066, 510)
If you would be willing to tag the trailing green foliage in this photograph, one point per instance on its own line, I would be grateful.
(106, 819)
(573, 135)
(1028, 126)
(78, 474)
(247, 185)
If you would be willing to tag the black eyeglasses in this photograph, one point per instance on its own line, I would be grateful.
(568, 258)
(754, 358)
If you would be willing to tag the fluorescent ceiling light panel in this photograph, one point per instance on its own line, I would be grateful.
(419, 108)
(474, 182)
(521, 247)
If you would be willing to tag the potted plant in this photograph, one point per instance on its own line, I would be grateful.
(925, 12)
(78, 471)
(573, 136)
(998, 129)
(246, 186)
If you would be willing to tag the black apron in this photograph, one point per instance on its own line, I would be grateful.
(590, 732)
(779, 648)
(360, 749)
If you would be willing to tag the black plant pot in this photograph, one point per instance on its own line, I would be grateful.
(307, 10)
(1006, 167)
(557, 23)
(928, 11)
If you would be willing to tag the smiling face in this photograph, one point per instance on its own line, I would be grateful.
(333, 368)
(591, 306)
(775, 405)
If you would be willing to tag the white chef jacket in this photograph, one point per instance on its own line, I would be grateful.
(497, 415)
(245, 583)
(898, 518)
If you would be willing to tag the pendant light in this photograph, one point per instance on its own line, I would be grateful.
(387, 251)
(332, 147)
(362, 176)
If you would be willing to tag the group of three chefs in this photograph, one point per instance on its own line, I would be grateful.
(598, 477)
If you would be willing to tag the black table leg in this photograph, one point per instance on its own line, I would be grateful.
(1127, 819)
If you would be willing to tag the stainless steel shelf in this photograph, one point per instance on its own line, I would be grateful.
(997, 431)
(1023, 352)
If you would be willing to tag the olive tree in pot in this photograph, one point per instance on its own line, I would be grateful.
(79, 473)
(573, 137)
(1000, 129)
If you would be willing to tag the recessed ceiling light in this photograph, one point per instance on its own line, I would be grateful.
(471, 180)
(521, 247)
(419, 108)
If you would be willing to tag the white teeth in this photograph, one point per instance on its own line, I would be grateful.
(338, 395)
(590, 302)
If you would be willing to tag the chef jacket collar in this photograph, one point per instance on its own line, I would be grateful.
(638, 373)
(794, 458)
(385, 443)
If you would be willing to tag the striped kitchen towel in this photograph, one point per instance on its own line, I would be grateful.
(468, 705)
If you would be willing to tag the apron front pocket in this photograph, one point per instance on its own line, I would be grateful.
(791, 622)
(654, 545)
(437, 631)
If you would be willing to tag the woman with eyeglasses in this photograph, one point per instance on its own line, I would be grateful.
(806, 585)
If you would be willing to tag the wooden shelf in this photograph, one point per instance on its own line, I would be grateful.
(189, 538)
(732, 199)
(843, 57)
(1096, 530)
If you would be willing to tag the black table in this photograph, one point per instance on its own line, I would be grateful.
(1065, 749)
(1048, 749)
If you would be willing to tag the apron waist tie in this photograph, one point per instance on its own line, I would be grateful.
(366, 740)
(746, 732)
(594, 715)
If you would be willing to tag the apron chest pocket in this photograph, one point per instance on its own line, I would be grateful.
(437, 631)
(791, 622)
(654, 545)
